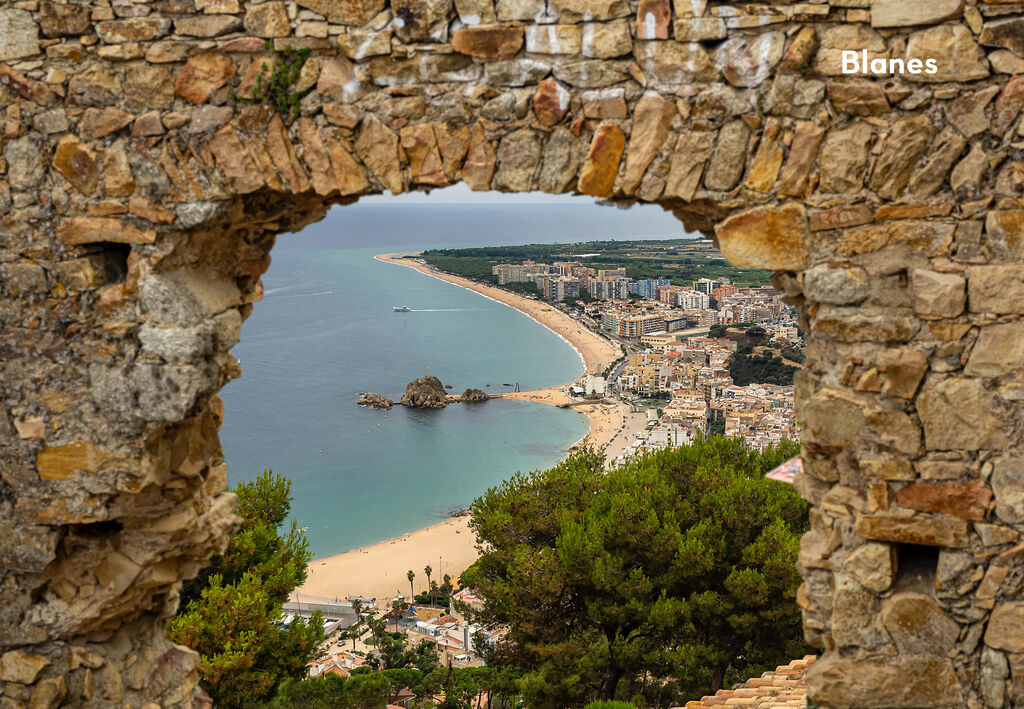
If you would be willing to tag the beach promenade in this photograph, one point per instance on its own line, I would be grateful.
(379, 570)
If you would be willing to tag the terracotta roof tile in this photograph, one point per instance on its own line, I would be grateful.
(782, 689)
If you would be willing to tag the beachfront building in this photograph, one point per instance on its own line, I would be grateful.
(647, 287)
(706, 285)
(688, 298)
(518, 272)
(594, 386)
(617, 288)
(638, 326)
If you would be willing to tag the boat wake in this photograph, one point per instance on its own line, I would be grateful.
(299, 295)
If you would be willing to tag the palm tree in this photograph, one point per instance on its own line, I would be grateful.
(410, 574)
(427, 570)
(355, 630)
(396, 610)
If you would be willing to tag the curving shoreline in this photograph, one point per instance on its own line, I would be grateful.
(595, 351)
(378, 570)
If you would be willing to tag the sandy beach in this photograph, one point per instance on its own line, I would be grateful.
(379, 570)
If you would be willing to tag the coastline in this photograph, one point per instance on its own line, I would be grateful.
(606, 420)
(595, 351)
(379, 570)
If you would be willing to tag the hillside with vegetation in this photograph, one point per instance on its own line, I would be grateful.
(681, 261)
(659, 581)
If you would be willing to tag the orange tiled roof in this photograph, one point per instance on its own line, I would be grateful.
(781, 689)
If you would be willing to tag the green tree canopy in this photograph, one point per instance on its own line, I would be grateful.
(765, 368)
(231, 613)
(663, 578)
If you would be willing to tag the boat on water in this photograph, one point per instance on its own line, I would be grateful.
(401, 309)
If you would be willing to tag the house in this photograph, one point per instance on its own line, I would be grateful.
(403, 699)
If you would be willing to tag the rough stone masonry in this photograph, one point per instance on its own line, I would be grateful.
(141, 191)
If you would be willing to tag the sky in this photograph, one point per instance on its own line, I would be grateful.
(457, 216)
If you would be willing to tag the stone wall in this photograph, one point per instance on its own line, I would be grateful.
(141, 190)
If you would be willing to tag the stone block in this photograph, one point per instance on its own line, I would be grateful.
(851, 420)
(551, 102)
(488, 42)
(854, 609)
(916, 529)
(836, 283)
(766, 237)
(350, 12)
(552, 39)
(933, 169)
(887, 469)
(941, 469)
(1008, 486)
(21, 667)
(999, 350)
(700, 29)
(728, 158)
(87, 230)
(938, 295)
(964, 500)
(587, 10)
(905, 682)
(961, 413)
(866, 324)
(476, 12)
(19, 34)
(858, 98)
(996, 289)
(962, 58)
(597, 177)
(24, 278)
(803, 153)
(422, 20)
(136, 29)
(605, 40)
(48, 693)
(653, 19)
(1004, 627)
(652, 119)
(873, 565)
(918, 625)
(844, 158)
(905, 145)
(1005, 33)
(691, 152)
(967, 112)
(907, 13)
(669, 63)
(749, 62)
(1004, 230)
(995, 534)
(202, 75)
(764, 168)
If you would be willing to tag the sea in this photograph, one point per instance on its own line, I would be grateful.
(325, 332)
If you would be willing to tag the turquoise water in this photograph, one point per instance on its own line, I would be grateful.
(325, 332)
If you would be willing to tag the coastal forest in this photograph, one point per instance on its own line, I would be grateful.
(661, 580)
(681, 261)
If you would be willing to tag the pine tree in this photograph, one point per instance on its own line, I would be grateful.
(231, 614)
(678, 569)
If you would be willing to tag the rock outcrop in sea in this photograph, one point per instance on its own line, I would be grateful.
(474, 396)
(425, 393)
(376, 401)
